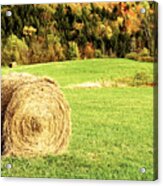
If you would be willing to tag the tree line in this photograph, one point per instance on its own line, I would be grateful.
(58, 32)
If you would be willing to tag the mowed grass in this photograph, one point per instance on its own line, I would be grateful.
(72, 72)
(112, 128)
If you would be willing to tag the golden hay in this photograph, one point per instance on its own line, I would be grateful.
(36, 117)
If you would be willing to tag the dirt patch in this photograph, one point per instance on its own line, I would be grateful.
(85, 85)
(97, 84)
(108, 84)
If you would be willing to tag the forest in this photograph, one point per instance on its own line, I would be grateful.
(58, 32)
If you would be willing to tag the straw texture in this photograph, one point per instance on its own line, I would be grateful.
(35, 116)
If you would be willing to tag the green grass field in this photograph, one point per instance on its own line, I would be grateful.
(112, 128)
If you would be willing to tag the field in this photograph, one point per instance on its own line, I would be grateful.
(112, 127)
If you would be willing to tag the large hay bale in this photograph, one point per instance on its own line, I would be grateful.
(36, 118)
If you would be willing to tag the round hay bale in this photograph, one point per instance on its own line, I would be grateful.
(12, 64)
(36, 120)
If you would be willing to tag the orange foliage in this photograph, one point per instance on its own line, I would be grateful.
(89, 50)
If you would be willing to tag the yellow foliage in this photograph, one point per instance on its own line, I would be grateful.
(109, 32)
(78, 26)
(29, 30)
(120, 20)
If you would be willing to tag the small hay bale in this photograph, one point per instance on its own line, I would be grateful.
(12, 64)
(37, 118)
